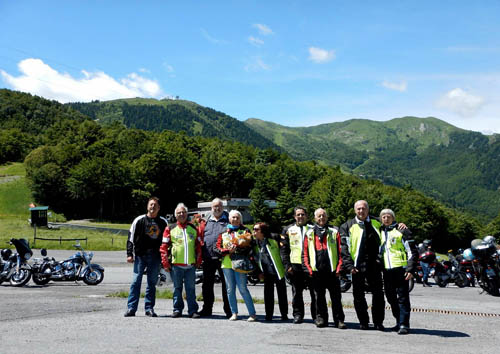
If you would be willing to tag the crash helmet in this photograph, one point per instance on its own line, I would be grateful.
(468, 254)
(6, 253)
(489, 239)
(427, 243)
(460, 251)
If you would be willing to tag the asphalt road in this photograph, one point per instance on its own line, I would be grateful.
(73, 318)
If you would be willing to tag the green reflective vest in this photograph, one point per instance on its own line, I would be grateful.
(183, 244)
(332, 247)
(393, 250)
(227, 237)
(296, 241)
(274, 250)
(355, 235)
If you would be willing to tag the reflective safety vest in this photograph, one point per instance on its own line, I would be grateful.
(331, 241)
(183, 245)
(296, 241)
(274, 251)
(393, 249)
(227, 237)
(355, 235)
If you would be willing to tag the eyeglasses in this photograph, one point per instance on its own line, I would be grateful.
(256, 229)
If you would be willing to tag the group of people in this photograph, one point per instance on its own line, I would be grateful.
(376, 251)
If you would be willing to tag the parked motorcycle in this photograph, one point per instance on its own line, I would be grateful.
(199, 276)
(77, 267)
(446, 272)
(15, 267)
(485, 267)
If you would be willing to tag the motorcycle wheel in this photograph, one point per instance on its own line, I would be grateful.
(93, 277)
(20, 278)
(411, 284)
(441, 283)
(492, 287)
(40, 280)
(462, 281)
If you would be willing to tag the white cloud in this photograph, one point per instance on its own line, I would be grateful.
(255, 41)
(319, 55)
(397, 86)
(257, 64)
(40, 79)
(263, 29)
(210, 38)
(461, 102)
(169, 68)
(144, 70)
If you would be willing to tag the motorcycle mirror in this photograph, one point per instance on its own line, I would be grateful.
(43, 252)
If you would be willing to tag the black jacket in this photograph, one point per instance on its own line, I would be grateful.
(145, 234)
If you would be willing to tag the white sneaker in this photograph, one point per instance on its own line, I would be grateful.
(234, 317)
(252, 318)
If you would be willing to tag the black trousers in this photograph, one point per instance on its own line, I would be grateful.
(373, 277)
(397, 294)
(300, 281)
(210, 267)
(328, 281)
(270, 280)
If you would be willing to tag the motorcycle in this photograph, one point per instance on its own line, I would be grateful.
(446, 272)
(199, 276)
(485, 267)
(77, 267)
(15, 267)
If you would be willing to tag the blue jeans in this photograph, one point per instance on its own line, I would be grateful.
(234, 278)
(187, 277)
(425, 269)
(150, 262)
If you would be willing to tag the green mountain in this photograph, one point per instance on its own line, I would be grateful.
(173, 114)
(458, 167)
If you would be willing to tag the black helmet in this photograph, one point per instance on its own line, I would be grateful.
(427, 243)
(460, 251)
(6, 253)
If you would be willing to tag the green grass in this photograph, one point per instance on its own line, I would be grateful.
(13, 169)
(98, 241)
(15, 198)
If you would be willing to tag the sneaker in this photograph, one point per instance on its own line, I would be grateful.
(297, 319)
(176, 314)
(151, 313)
(129, 313)
(320, 323)
(195, 315)
(341, 325)
(404, 330)
(379, 327)
(234, 317)
(206, 313)
(252, 318)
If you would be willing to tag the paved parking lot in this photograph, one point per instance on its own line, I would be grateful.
(73, 318)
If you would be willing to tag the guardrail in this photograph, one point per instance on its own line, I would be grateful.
(60, 239)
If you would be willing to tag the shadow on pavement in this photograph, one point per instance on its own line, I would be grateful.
(438, 333)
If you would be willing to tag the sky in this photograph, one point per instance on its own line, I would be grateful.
(295, 63)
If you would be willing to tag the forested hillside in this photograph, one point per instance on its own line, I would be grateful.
(175, 115)
(82, 168)
(458, 167)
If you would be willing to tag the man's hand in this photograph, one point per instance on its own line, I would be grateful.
(290, 270)
(408, 276)
(354, 271)
(130, 259)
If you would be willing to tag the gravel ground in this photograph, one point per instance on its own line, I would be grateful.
(73, 318)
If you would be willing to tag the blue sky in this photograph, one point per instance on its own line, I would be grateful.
(296, 63)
